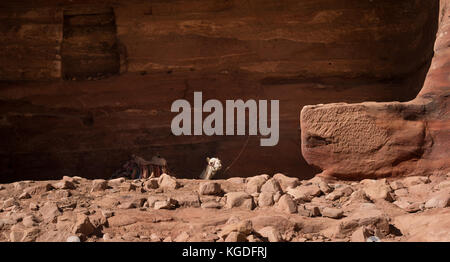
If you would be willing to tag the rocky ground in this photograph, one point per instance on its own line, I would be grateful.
(259, 208)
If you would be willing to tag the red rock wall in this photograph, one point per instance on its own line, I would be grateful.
(300, 52)
(365, 140)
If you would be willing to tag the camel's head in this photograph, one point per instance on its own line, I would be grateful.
(215, 163)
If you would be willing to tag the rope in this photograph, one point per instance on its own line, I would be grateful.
(237, 157)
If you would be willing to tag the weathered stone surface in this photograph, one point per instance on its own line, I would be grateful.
(235, 237)
(439, 200)
(209, 188)
(377, 189)
(183, 237)
(187, 199)
(24, 195)
(50, 212)
(83, 226)
(265, 199)
(304, 193)
(286, 204)
(64, 184)
(360, 235)
(9, 202)
(116, 182)
(99, 185)
(308, 63)
(308, 211)
(244, 227)
(211, 204)
(152, 183)
(271, 186)
(38, 189)
(169, 203)
(236, 180)
(255, 183)
(167, 182)
(415, 180)
(371, 139)
(30, 221)
(239, 199)
(425, 227)
(366, 215)
(271, 233)
(332, 212)
(286, 181)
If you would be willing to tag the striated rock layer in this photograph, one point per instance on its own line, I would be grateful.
(369, 139)
(299, 52)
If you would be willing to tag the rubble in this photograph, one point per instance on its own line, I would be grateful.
(222, 210)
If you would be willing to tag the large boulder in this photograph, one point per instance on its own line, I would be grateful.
(373, 140)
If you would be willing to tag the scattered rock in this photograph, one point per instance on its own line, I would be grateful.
(286, 182)
(71, 179)
(367, 215)
(73, 239)
(83, 226)
(209, 188)
(304, 193)
(9, 202)
(235, 237)
(265, 199)
(50, 212)
(415, 180)
(253, 238)
(151, 200)
(270, 233)
(211, 204)
(324, 187)
(401, 192)
(127, 187)
(167, 182)
(286, 204)
(360, 235)
(150, 184)
(29, 221)
(99, 185)
(440, 200)
(255, 183)
(24, 195)
(396, 185)
(236, 180)
(335, 195)
(107, 213)
(64, 184)
(16, 236)
(332, 212)
(239, 199)
(167, 239)
(155, 238)
(271, 186)
(183, 237)
(444, 185)
(187, 199)
(377, 189)
(33, 206)
(244, 227)
(38, 189)
(408, 206)
(308, 211)
(116, 182)
(169, 203)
